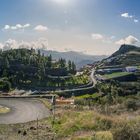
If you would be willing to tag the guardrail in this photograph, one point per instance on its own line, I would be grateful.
(29, 96)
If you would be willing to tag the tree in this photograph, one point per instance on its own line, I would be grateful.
(6, 63)
(73, 68)
(69, 65)
(5, 85)
(39, 53)
(4, 73)
(0, 51)
(32, 51)
(42, 71)
(62, 63)
(49, 62)
(33, 60)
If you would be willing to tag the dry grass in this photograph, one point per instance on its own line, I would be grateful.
(101, 135)
(69, 122)
(27, 131)
(45, 102)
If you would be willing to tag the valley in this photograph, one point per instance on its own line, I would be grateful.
(100, 101)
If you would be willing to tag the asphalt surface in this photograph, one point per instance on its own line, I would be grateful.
(26, 110)
(22, 110)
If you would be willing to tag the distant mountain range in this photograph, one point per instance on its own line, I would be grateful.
(127, 55)
(79, 58)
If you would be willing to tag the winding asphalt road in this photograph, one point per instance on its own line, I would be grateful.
(93, 80)
(22, 110)
(25, 110)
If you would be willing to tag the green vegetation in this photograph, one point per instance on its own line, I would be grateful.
(71, 121)
(94, 95)
(95, 126)
(113, 93)
(125, 49)
(112, 116)
(82, 79)
(101, 135)
(74, 124)
(127, 55)
(87, 99)
(111, 113)
(23, 68)
(116, 74)
(128, 131)
(5, 85)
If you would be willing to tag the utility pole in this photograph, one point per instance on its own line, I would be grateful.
(53, 113)
(37, 130)
(53, 108)
(73, 95)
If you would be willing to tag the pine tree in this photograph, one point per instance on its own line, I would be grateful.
(49, 63)
(73, 68)
(6, 63)
(69, 65)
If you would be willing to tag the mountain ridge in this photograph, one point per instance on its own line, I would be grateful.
(127, 55)
(79, 58)
(125, 49)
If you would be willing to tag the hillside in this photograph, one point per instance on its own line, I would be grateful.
(30, 69)
(80, 59)
(127, 55)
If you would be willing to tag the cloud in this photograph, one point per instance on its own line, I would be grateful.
(10, 43)
(27, 25)
(112, 37)
(1, 46)
(102, 38)
(41, 43)
(96, 36)
(16, 27)
(126, 15)
(128, 40)
(41, 28)
(136, 20)
(7, 27)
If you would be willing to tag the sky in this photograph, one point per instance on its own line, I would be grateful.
(96, 27)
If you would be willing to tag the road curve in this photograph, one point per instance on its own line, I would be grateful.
(92, 78)
(22, 110)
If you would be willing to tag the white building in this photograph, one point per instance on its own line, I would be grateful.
(131, 69)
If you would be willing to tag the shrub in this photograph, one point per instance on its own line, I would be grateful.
(103, 135)
(5, 85)
(103, 123)
(127, 132)
(131, 104)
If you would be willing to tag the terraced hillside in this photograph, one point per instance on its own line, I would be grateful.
(127, 55)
